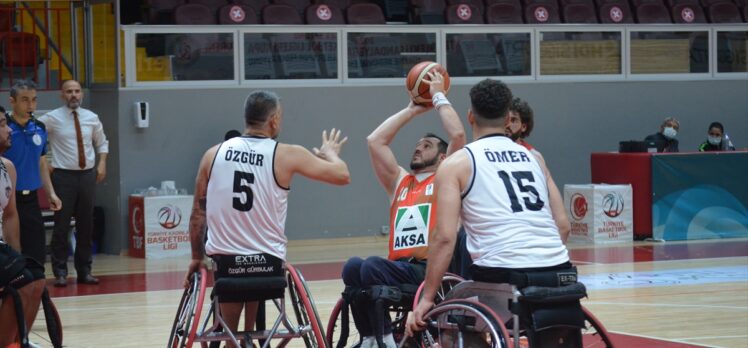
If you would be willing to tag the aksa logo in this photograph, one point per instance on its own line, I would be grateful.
(578, 206)
(169, 216)
(613, 204)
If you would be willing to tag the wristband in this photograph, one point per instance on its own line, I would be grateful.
(439, 99)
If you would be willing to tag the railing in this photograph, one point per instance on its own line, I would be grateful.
(36, 43)
(173, 56)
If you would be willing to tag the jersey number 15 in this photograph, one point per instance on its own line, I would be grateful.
(527, 188)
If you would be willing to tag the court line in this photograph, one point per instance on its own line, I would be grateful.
(664, 305)
(674, 340)
(713, 337)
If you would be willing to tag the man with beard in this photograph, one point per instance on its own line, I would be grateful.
(412, 210)
(76, 136)
(519, 125)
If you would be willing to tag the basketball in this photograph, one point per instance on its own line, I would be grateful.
(417, 89)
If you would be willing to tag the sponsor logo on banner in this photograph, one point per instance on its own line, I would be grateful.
(613, 204)
(169, 216)
(412, 226)
(578, 206)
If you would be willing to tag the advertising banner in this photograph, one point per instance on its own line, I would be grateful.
(159, 226)
(700, 196)
(599, 213)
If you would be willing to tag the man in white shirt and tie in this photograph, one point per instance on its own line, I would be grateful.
(76, 136)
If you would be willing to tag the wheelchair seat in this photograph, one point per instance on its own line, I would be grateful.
(249, 289)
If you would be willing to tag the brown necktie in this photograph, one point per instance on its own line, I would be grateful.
(79, 140)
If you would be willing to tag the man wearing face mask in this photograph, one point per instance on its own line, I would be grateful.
(665, 138)
(716, 141)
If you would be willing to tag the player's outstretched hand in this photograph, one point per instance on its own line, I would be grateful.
(435, 82)
(330, 145)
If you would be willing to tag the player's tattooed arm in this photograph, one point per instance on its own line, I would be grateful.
(198, 229)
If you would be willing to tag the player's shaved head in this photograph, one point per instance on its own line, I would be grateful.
(259, 107)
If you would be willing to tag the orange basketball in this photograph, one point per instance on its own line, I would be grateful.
(417, 89)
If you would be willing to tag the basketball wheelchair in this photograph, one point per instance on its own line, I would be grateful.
(538, 309)
(190, 328)
(393, 301)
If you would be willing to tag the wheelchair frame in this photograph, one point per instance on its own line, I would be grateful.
(399, 310)
(188, 330)
(460, 318)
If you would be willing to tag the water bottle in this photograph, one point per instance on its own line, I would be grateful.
(729, 144)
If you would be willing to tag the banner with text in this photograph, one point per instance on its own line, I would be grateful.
(159, 226)
(599, 213)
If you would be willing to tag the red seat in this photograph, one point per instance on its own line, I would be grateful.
(652, 13)
(724, 12)
(213, 5)
(580, 13)
(20, 50)
(551, 3)
(636, 3)
(6, 17)
(324, 14)
(463, 14)
(476, 3)
(340, 4)
(364, 13)
(298, 5)
(568, 2)
(257, 5)
(504, 13)
(280, 14)
(513, 2)
(616, 13)
(688, 13)
(428, 11)
(707, 3)
(539, 13)
(191, 14)
(237, 14)
(161, 11)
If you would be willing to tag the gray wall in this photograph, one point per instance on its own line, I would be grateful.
(572, 121)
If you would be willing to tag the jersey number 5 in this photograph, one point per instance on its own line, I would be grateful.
(241, 185)
(519, 176)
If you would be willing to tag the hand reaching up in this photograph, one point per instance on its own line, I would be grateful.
(330, 145)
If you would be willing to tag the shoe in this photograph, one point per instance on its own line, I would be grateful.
(88, 279)
(34, 345)
(61, 281)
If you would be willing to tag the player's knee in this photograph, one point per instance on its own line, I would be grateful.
(351, 273)
(371, 270)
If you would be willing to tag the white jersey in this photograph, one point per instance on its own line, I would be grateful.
(505, 208)
(6, 189)
(246, 207)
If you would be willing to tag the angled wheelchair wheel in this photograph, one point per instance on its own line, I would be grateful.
(463, 324)
(184, 329)
(594, 334)
(449, 281)
(335, 338)
(303, 306)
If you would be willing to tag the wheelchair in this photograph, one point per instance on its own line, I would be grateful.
(188, 328)
(480, 314)
(395, 301)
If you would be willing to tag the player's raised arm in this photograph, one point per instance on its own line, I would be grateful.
(447, 114)
(324, 165)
